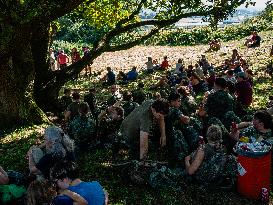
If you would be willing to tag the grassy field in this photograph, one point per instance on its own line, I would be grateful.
(96, 164)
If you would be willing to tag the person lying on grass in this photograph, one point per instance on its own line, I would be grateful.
(66, 177)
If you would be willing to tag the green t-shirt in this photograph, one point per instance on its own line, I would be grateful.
(140, 119)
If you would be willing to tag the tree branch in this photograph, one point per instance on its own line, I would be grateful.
(47, 11)
(132, 15)
(132, 43)
(161, 23)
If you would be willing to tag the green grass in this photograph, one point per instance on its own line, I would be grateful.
(96, 164)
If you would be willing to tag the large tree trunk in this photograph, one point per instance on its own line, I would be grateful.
(17, 75)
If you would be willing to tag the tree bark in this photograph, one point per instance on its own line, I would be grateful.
(17, 75)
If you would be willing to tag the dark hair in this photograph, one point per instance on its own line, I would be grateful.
(64, 169)
(161, 105)
(264, 117)
(173, 97)
(91, 90)
(83, 108)
(182, 91)
(76, 95)
(140, 85)
(120, 111)
(66, 91)
(231, 87)
(127, 95)
(230, 72)
(221, 82)
(185, 81)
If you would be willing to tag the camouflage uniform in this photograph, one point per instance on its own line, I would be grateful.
(179, 142)
(82, 130)
(128, 107)
(219, 103)
(216, 167)
(188, 105)
(138, 96)
(108, 130)
(64, 102)
(251, 132)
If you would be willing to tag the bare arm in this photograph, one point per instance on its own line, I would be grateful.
(67, 115)
(31, 164)
(4, 179)
(77, 199)
(191, 168)
(143, 145)
(184, 119)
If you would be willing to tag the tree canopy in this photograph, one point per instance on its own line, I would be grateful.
(25, 36)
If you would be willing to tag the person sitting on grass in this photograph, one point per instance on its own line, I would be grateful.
(132, 74)
(214, 45)
(73, 108)
(230, 76)
(209, 164)
(139, 95)
(150, 65)
(56, 147)
(128, 105)
(90, 99)
(82, 129)
(261, 128)
(179, 66)
(66, 176)
(218, 101)
(176, 143)
(109, 122)
(244, 90)
(109, 78)
(165, 64)
(253, 41)
(197, 84)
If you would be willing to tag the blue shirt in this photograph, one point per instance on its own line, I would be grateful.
(92, 192)
(132, 75)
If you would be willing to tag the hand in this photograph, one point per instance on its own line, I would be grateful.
(162, 141)
(188, 158)
(234, 133)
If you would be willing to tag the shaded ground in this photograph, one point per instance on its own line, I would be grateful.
(96, 165)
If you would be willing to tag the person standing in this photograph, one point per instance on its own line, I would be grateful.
(63, 60)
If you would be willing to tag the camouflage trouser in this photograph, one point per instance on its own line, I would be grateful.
(37, 154)
(178, 148)
(191, 133)
(152, 173)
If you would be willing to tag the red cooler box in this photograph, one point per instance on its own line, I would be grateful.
(254, 174)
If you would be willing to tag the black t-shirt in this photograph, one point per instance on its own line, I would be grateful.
(257, 42)
(49, 160)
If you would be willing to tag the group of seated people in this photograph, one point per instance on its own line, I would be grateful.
(170, 120)
(55, 175)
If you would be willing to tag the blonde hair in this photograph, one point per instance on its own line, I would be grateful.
(40, 192)
(61, 143)
(214, 134)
